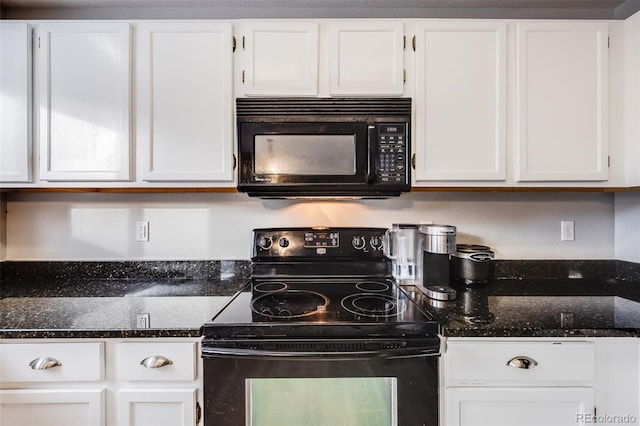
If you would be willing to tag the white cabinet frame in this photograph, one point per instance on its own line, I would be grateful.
(15, 102)
(183, 401)
(562, 101)
(185, 101)
(366, 58)
(281, 58)
(84, 406)
(80, 104)
(461, 101)
(508, 406)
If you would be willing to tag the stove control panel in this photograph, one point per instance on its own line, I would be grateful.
(357, 243)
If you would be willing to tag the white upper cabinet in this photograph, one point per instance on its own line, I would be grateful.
(562, 101)
(323, 58)
(280, 58)
(185, 101)
(366, 58)
(15, 102)
(84, 75)
(460, 101)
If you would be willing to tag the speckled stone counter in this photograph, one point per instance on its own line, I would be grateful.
(103, 299)
(544, 299)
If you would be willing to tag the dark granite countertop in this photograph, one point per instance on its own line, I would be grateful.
(102, 299)
(91, 300)
(539, 308)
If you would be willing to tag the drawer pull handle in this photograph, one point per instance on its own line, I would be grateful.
(156, 361)
(44, 363)
(523, 362)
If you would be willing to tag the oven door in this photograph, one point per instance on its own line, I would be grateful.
(255, 388)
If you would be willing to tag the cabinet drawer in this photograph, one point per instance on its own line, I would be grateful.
(51, 362)
(156, 361)
(471, 363)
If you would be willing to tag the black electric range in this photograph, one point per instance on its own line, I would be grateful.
(321, 290)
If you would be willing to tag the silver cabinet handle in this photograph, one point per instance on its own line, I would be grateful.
(523, 362)
(156, 361)
(44, 362)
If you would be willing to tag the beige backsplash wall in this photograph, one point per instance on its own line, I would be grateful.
(199, 226)
(627, 226)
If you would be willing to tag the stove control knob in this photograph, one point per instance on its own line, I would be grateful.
(376, 242)
(283, 242)
(358, 242)
(264, 243)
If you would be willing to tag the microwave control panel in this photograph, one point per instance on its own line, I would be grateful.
(391, 164)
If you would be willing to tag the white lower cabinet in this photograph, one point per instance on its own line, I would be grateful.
(545, 406)
(52, 407)
(52, 384)
(540, 382)
(157, 407)
(100, 382)
(156, 384)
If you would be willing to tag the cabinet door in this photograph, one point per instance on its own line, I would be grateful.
(562, 101)
(52, 407)
(519, 406)
(157, 407)
(179, 361)
(51, 362)
(366, 58)
(15, 102)
(280, 58)
(184, 98)
(84, 94)
(461, 101)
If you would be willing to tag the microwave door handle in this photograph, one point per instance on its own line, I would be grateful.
(371, 134)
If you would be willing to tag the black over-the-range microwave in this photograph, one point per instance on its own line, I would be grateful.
(324, 147)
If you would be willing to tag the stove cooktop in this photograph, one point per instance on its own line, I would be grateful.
(321, 290)
(329, 307)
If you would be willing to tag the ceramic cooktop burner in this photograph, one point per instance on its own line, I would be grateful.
(373, 305)
(270, 287)
(289, 304)
(372, 286)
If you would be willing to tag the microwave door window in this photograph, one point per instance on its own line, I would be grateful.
(321, 155)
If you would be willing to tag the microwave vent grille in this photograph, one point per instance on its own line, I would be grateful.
(339, 107)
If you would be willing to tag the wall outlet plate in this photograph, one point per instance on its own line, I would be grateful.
(143, 320)
(567, 230)
(142, 231)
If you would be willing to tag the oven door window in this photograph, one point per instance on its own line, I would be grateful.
(305, 155)
(353, 401)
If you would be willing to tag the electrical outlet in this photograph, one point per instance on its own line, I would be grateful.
(142, 231)
(567, 230)
(143, 321)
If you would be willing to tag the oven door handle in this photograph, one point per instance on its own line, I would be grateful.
(322, 356)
